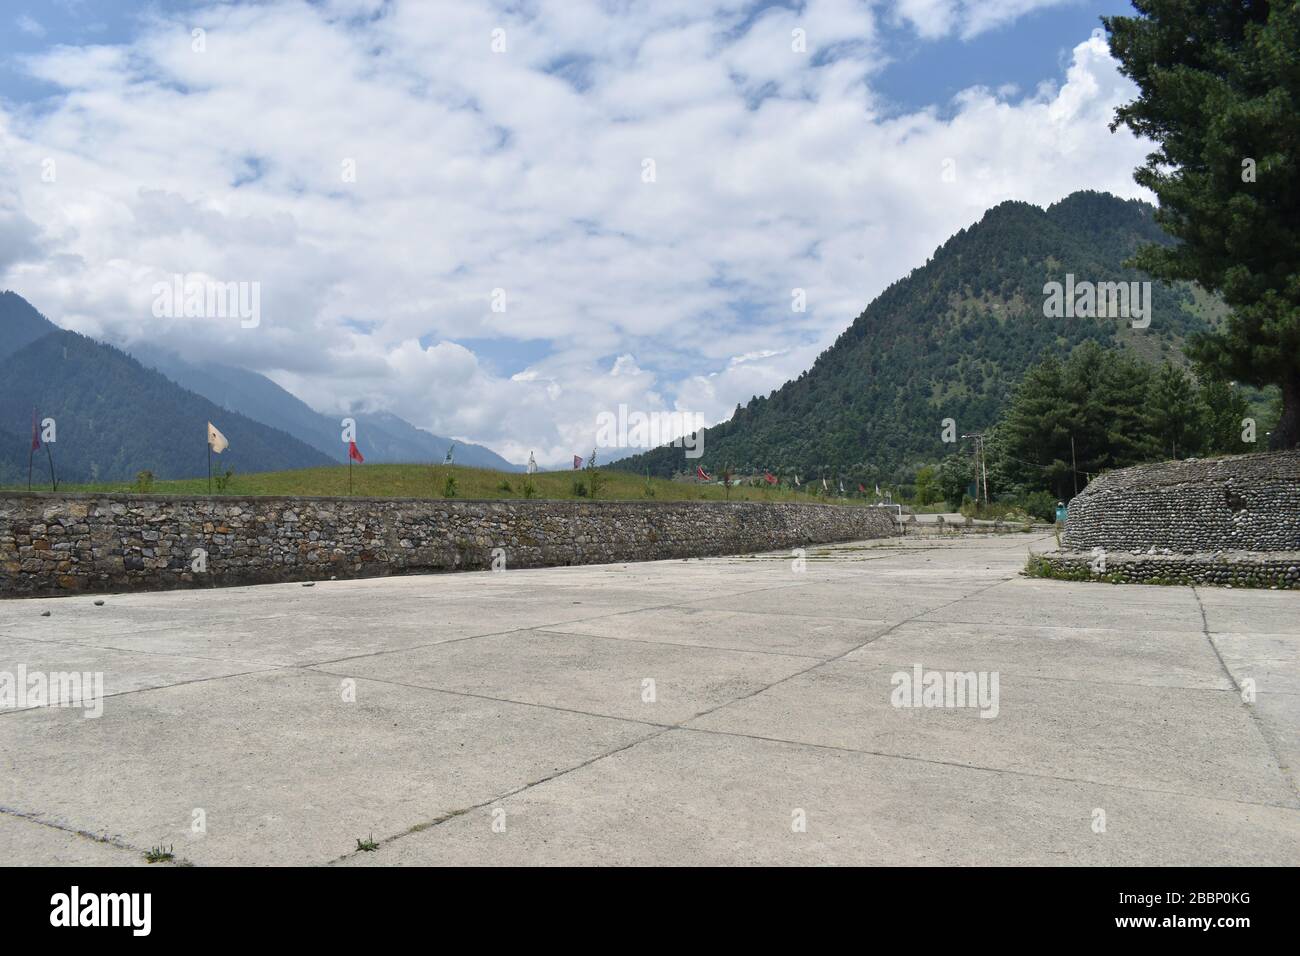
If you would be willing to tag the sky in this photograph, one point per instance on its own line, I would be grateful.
(501, 220)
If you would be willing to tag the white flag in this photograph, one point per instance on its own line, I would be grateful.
(216, 441)
(532, 464)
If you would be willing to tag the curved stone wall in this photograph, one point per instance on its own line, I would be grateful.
(1240, 503)
(51, 544)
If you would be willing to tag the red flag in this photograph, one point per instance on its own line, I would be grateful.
(861, 489)
(354, 452)
(36, 436)
(769, 477)
(577, 462)
(699, 471)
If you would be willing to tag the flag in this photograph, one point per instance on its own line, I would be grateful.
(701, 473)
(841, 486)
(354, 453)
(216, 441)
(577, 462)
(796, 480)
(36, 435)
(823, 484)
(861, 488)
(450, 449)
(769, 477)
(532, 464)
(877, 489)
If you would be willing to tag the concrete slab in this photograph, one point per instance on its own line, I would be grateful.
(283, 769)
(701, 799)
(1090, 654)
(1104, 733)
(28, 843)
(118, 671)
(522, 691)
(817, 637)
(1267, 659)
(592, 675)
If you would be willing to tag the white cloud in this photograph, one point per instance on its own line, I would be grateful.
(29, 26)
(519, 171)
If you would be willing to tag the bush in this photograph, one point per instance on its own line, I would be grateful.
(144, 482)
(529, 489)
(449, 487)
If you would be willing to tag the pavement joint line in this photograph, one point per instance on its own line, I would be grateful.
(499, 700)
(513, 630)
(36, 708)
(691, 647)
(680, 725)
(1256, 721)
(982, 768)
(831, 660)
(115, 842)
(453, 814)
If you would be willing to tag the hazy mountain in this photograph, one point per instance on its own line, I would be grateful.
(381, 436)
(950, 340)
(20, 323)
(116, 418)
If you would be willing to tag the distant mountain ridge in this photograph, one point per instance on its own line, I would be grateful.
(117, 416)
(382, 437)
(949, 340)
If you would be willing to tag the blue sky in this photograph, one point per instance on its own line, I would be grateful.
(499, 220)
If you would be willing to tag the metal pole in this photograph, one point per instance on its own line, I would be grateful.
(1074, 464)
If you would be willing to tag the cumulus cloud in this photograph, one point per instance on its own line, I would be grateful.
(401, 191)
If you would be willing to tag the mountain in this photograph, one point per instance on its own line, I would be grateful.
(381, 436)
(116, 418)
(20, 323)
(950, 340)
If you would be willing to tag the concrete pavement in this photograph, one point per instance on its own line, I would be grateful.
(736, 710)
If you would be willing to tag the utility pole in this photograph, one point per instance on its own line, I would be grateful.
(981, 467)
(1074, 465)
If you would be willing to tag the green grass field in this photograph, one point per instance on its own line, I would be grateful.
(430, 481)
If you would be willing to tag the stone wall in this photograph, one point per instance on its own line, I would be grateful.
(1240, 503)
(52, 544)
(1277, 570)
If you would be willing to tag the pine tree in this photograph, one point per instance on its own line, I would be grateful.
(1177, 416)
(1219, 94)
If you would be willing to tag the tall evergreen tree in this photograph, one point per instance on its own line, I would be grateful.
(1225, 410)
(1177, 419)
(1219, 93)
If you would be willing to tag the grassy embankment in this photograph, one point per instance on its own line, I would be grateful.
(430, 481)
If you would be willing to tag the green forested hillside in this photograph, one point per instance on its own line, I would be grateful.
(116, 418)
(950, 340)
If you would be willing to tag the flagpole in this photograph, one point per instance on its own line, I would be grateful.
(54, 484)
(349, 474)
(209, 465)
(31, 450)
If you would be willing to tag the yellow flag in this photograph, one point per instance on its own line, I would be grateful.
(216, 441)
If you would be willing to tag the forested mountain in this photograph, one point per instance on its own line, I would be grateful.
(20, 323)
(118, 414)
(116, 418)
(950, 340)
(381, 436)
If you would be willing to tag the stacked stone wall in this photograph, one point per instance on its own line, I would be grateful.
(52, 544)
